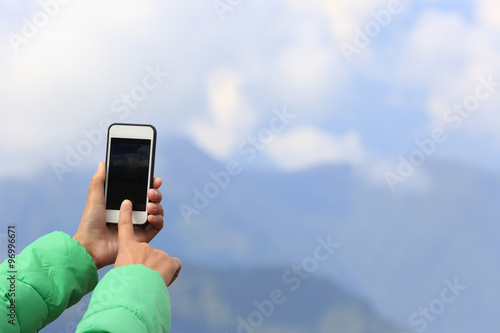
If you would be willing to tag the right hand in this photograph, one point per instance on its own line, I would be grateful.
(132, 252)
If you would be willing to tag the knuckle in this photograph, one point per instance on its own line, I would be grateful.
(143, 246)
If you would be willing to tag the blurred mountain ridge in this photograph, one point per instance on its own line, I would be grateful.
(241, 300)
(396, 249)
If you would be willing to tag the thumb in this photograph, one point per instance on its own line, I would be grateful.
(125, 226)
(96, 187)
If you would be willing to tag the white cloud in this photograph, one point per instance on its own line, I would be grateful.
(66, 75)
(229, 117)
(306, 66)
(90, 53)
(488, 12)
(65, 79)
(344, 16)
(307, 147)
(312, 66)
(448, 55)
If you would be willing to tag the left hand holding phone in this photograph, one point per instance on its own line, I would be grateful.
(101, 239)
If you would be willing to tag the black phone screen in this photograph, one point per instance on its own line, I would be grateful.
(128, 173)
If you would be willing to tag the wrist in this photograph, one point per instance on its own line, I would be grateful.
(87, 248)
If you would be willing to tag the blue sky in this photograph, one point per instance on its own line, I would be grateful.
(226, 76)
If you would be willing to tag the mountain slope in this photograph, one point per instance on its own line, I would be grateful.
(396, 249)
(207, 300)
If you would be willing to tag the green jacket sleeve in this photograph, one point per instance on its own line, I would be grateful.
(51, 274)
(130, 298)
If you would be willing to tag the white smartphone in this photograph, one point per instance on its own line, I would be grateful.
(130, 157)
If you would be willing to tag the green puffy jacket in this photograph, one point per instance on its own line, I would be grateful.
(55, 272)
